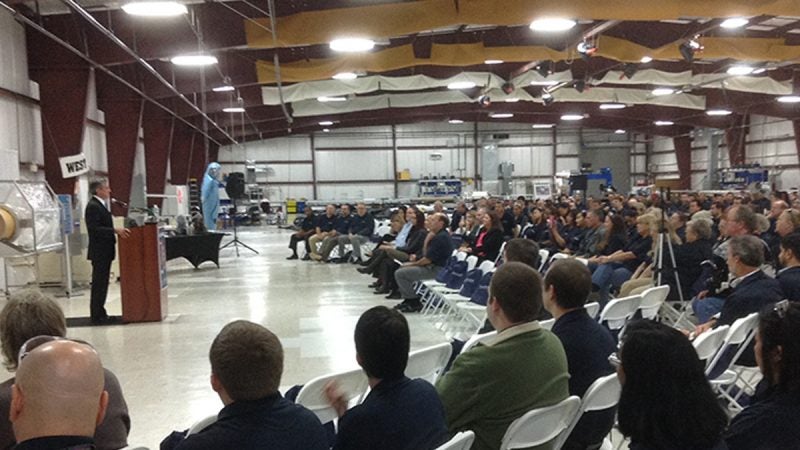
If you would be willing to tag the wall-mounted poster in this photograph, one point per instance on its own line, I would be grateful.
(542, 190)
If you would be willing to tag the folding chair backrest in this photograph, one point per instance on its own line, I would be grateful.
(444, 273)
(602, 394)
(652, 299)
(481, 294)
(547, 324)
(486, 266)
(708, 344)
(472, 261)
(471, 282)
(353, 384)
(461, 256)
(592, 309)
(428, 363)
(382, 230)
(202, 424)
(618, 311)
(739, 334)
(461, 441)
(543, 255)
(557, 256)
(541, 425)
(477, 338)
(457, 274)
(500, 253)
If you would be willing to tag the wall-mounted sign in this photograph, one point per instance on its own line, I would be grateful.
(73, 165)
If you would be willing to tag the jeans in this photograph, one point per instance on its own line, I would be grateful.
(608, 276)
(706, 307)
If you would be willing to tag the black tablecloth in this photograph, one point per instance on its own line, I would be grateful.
(196, 249)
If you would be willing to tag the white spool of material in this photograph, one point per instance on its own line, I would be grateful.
(8, 225)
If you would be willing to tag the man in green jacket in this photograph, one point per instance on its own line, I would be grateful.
(524, 367)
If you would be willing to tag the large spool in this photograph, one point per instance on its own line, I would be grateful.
(8, 225)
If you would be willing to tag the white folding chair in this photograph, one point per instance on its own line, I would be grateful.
(475, 339)
(472, 261)
(592, 309)
(500, 253)
(557, 256)
(428, 363)
(740, 334)
(708, 344)
(547, 324)
(461, 441)
(602, 394)
(619, 311)
(544, 254)
(652, 299)
(352, 383)
(540, 425)
(202, 424)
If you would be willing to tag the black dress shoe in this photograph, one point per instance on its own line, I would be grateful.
(381, 291)
(394, 295)
(409, 307)
(362, 270)
(375, 285)
(291, 257)
(306, 257)
(364, 263)
(108, 320)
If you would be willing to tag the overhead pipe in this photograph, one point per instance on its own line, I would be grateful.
(105, 31)
(271, 4)
(95, 65)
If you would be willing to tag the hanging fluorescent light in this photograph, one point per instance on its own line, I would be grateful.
(613, 106)
(663, 123)
(740, 70)
(572, 117)
(325, 123)
(501, 115)
(326, 130)
(493, 61)
(155, 9)
(345, 76)
(233, 109)
(455, 121)
(759, 71)
(326, 99)
(542, 126)
(223, 88)
(646, 59)
(194, 60)
(512, 100)
(658, 92)
(552, 25)
(620, 131)
(789, 99)
(734, 22)
(352, 45)
(719, 112)
(461, 85)
(544, 83)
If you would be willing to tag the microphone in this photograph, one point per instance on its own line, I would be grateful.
(120, 203)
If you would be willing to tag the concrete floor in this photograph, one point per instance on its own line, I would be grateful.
(164, 368)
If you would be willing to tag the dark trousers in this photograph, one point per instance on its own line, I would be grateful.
(101, 270)
(295, 239)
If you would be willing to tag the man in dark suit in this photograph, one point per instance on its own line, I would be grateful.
(102, 237)
(789, 275)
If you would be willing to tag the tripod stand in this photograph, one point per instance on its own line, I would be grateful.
(236, 242)
(663, 235)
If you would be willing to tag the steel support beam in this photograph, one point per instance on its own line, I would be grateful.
(180, 155)
(158, 130)
(683, 154)
(123, 118)
(735, 139)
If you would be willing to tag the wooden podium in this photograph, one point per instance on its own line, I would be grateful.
(143, 275)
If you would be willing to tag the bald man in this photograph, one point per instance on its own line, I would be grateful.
(58, 399)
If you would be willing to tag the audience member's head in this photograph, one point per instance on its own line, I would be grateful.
(246, 362)
(58, 390)
(439, 221)
(777, 347)
(788, 222)
(790, 250)
(745, 254)
(361, 209)
(521, 250)
(416, 218)
(515, 295)
(491, 220)
(345, 209)
(308, 210)
(567, 284)
(695, 206)
(698, 229)
(382, 343)
(330, 210)
(666, 400)
(778, 207)
(741, 220)
(595, 218)
(28, 314)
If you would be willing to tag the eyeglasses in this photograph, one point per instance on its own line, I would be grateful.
(781, 308)
(37, 341)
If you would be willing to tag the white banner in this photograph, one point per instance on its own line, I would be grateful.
(73, 165)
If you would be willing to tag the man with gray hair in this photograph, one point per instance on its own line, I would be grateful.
(361, 227)
(57, 399)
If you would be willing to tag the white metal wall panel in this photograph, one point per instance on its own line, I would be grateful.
(381, 139)
(30, 133)
(94, 147)
(341, 165)
(9, 137)
(277, 192)
(569, 163)
(418, 162)
(14, 67)
(355, 192)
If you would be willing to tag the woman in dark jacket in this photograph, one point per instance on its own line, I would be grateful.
(385, 271)
(615, 237)
(487, 245)
(698, 248)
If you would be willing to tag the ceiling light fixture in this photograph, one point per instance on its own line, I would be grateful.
(544, 83)
(719, 112)
(326, 99)
(512, 100)
(734, 22)
(543, 125)
(740, 70)
(194, 60)
(325, 123)
(326, 130)
(233, 109)
(759, 71)
(223, 88)
(352, 45)
(689, 49)
(455, 121)
(663, 123)
(620, 131)
(613, 106)
(493, 61)
(155, 9)
(658, 92)
(552, 25)
(345, 76)
(501, 115)
(461, 85)
(789, 99)
(572, 117)
(646, 59)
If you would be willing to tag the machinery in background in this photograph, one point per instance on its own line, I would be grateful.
(439, 187)
(743, 177)
(591, 182)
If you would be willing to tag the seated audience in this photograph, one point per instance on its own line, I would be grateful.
(57, 399)
(614, 239)
(787, 223)
(384, 264)
(361, 227)
(325, 224)
(688, 257)
(522, 368)
(678, 221)
(568, 235)
(487, 245)
(459, 213)
(29, 314)
(438, 248)
(587, 344)
(666, 400)
(399, 413)
(246, 368)
(593, 234)
(341, 227)
(615, 269)
(307, 229)
(789, 276)
(772, 421)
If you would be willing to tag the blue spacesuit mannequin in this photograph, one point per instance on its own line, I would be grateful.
(210, 195)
